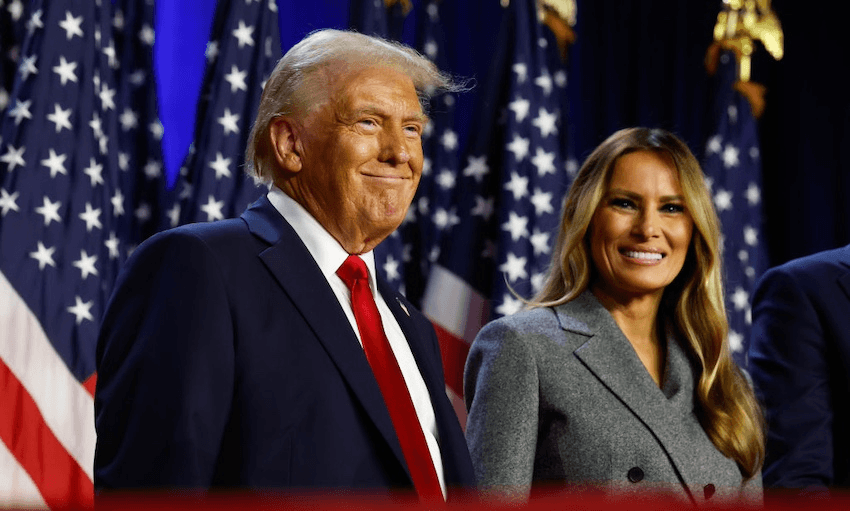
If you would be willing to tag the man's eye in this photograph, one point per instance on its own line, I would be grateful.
(367, 123)
(413, 129)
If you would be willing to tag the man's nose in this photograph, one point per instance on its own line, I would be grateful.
(395, 146)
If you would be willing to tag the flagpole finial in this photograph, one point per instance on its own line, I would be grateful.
(406, 5)
(739, 24)
(560, 17)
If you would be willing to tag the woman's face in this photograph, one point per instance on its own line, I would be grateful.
(641, 230)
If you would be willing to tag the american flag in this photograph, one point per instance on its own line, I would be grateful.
(65, 228)
(732, 165)
(510, 186)
(243, 49)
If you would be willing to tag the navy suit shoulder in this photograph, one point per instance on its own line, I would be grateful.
(799, 360)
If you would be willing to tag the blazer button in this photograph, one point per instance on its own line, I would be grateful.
(708, 491)
(635, 474)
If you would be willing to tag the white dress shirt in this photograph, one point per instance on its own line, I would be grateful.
(329, 255)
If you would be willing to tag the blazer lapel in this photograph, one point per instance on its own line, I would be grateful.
(610, 357)
(300, 277)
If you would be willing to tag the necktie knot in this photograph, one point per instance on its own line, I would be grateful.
(352, 270)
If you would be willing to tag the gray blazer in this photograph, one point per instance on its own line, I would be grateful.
(558, 395)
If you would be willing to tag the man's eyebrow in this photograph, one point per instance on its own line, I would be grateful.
(380, 112)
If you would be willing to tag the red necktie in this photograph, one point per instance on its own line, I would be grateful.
(385, 367)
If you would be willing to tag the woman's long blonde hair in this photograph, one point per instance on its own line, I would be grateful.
(692, 304)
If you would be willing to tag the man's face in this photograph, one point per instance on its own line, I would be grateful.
(361, 156)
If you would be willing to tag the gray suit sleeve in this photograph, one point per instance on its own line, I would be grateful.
(501, 392)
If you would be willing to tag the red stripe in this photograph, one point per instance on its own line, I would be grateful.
(61, 481)
(90, 383)
(454, 351)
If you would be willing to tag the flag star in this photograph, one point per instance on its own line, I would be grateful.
(138, 77)
(520, 107)
(86, 264)
(743, 256)
(66, 70)
(50, 211)
(426, 166)
(561, 78)
(213, 209)
(61, 118)
(736, 342)
(446, 179)
(71, 25)
(730, 156)
(445, 219)
(228, 121)
(423, 205)
(117, 201)
(107, 97)
(8, 202)
(27, 67)
(244, 34)
(391, 269)
(143, 212)
(723, 200)
(20, 111)
(545, 122)
(82, 310)
(118, 20)
(35, 21)
(709, 182)
(521, 71)
(754, 153)
(514, 267)
(572, 166)
(103, 143)
(129, 119)
(147, 35)
(44, 256)
(95, 172)
(91, 217)
(740, 298)
(519, 146)
(449, 140)
(483, 207)
(510, 305)
(14, 157)
(538, 280)
(545, 162)
(4, 98)
(542, 202)
(153, 169)
(431, 49)
(715, 145)
(516, 225)
(540, 242)
(156, 129)
(112, 245)
(518, 185)
(221, 165)
(96, 125)
(733, 114)
(476, 167)
(236, 78)
(123, 161)
(173, 215)
(15, 9)
(751, 236)
(753, 194)
(111, 57)
(212, 51)
(544, 81)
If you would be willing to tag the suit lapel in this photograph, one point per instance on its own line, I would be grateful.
(610, 357)
(301, 279)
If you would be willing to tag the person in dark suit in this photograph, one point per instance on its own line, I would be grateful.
(618, 376)
(799, 360)
(235, 354)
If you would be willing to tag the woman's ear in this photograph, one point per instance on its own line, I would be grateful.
(285, 143)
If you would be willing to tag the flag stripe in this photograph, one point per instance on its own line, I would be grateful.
(56, 474)
(453, 304)
(454, 352)
(16, 486)
(66, 407)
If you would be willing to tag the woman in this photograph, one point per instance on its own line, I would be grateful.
(619, 376)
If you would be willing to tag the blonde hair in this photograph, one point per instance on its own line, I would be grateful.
(692, 305)
(296, 87)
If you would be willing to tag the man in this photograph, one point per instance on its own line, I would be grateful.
(800, 364)
(232, 354)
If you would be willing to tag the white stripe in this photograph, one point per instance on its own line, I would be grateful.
(453, 304)
(67, 408)
(16, 488)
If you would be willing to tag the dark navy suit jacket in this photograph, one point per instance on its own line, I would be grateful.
(225, 360)
(800, 364)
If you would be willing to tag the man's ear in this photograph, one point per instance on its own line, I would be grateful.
(285, 143)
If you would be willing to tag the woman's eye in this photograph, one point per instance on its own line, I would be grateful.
(673, 208)
(622, 203)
